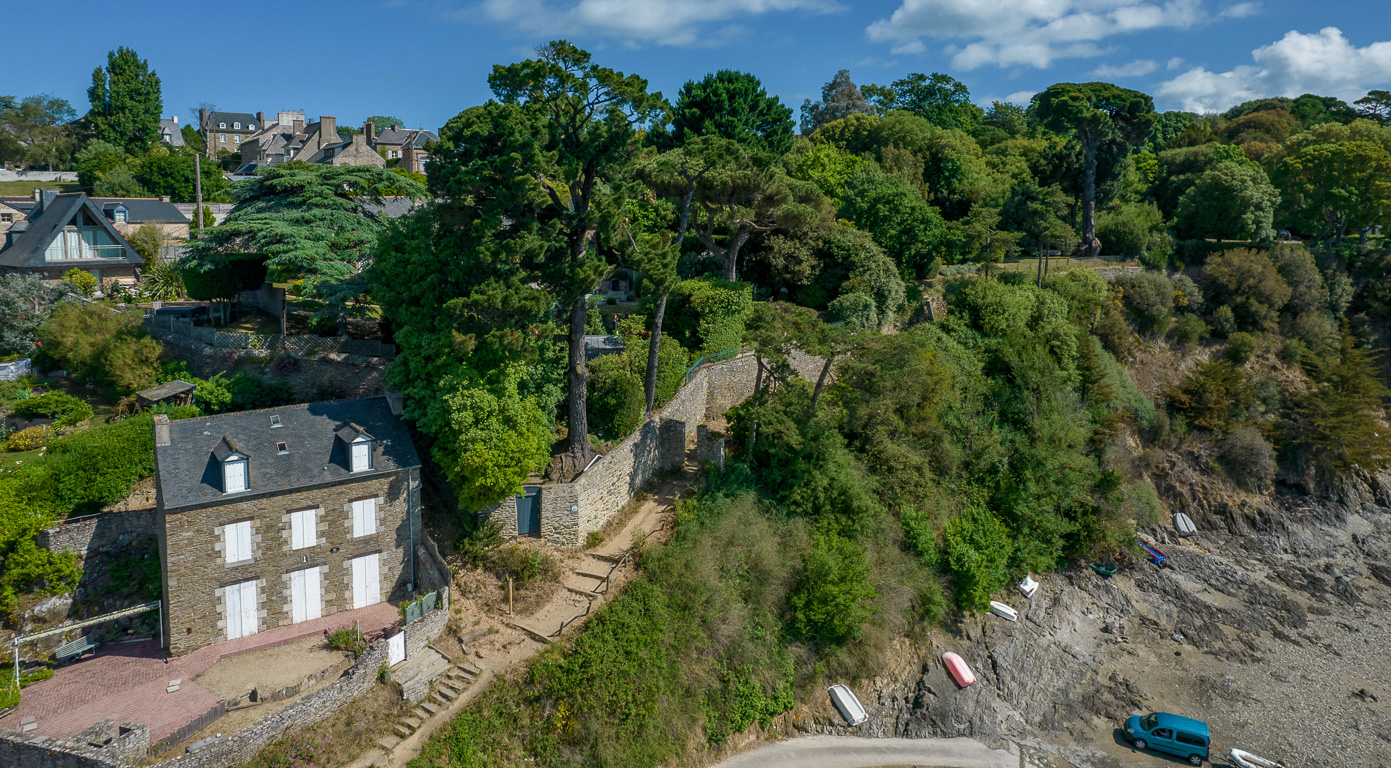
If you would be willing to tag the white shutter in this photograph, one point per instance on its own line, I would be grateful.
(374, 585)
(232, 595)
(248, 608)
(362, 456)
(313, 597)
(244, 542)
(364, 517)
(235, 475)
(302, 529)
(367, 589)
(297, 605)
(236, 541)
(359, 583)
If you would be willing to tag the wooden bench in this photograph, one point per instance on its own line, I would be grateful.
(73, 650)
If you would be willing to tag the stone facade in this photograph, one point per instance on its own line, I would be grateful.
(196, 572)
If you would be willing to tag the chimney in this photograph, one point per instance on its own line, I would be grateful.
(370, 131)
(395, 400)
(260, 120)
(164, 198)
(328, 130)
(162, 429)
(175, 118)
(46, 198)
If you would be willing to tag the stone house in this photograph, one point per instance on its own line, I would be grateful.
(274, 517)
(128, 214)
(407, 147)
(227, 130)
(66, 231)
(169, 131)
(12, 211)
(290, 138)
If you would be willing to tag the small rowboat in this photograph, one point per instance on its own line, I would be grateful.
(1004, 611)
(1156, 554)
(1248, 760)
(959, 671)
(1027, 587)
(1183, 524)
(848, 706)
(1106, 571)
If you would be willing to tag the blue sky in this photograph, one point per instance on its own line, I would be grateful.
(425, 60)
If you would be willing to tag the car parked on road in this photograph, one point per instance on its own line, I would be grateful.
(1162, 732)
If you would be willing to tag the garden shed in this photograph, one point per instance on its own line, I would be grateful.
(174, 392)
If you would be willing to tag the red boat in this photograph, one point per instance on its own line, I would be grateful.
(956, 667)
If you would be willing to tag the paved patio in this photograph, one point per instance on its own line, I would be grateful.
(127, 681)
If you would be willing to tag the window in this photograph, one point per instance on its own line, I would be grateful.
(236, 126)
(6, 217)
(234, 474)
(275, 421)
(236, 542)
(282, 448)
(303, 531)
(236, 138)
(1162, 733)
(361, 455)
(1190, 739)
(364, 517)
(222, 138)
(120, 215)
(222, 125)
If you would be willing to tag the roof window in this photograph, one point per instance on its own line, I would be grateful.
(275, 421)
(282, 448)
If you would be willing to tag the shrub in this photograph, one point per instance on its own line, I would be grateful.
(856, 310)
(66, 409)
(9, 693)
(90, 469)
(616, 398)
(31, 439)
(1223, 321)
(1115, 333)
(479, 541)
(96, 342)
(82, 281)
(978, 547)
(163, 280)
(1149, 296)
(1189, 329)
(593, 539)
(347, 639)
(1126, 230)
(918, 534)
(1247, 281)
(834, 596)
(1247, 459)
(720, 311)
(525, 566)
(1240, 347)
(1292, 351)
(1187, 295)
(1212, 396)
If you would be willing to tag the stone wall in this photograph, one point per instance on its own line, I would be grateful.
(569, 511)
(102, 745)
(196, 572)
(104, 532)
(63, 176)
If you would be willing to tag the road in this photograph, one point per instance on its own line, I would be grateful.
(855, 752)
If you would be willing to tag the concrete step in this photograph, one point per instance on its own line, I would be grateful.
(608, 558)
(402, 730)
(429, 709)
(591, 575)
(388, 742)
(412, 722)
(447, 692)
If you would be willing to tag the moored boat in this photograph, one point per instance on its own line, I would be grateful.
(849, 707)
(1004, 611)
(1245, 759)
(958, 669)
(1183, 524)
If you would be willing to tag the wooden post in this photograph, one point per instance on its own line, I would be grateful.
(509, 595)
(198, 190)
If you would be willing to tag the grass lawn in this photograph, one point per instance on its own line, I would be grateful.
(7, 460)
(26, 188)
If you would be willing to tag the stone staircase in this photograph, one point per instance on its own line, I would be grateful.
(455, 680)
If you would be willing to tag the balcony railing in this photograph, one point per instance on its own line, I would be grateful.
(89, 252)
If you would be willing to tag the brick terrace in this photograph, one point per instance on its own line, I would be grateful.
(127, 681)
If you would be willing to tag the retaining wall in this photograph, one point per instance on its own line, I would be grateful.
(103, 745)
(63, 176)
(103, 532)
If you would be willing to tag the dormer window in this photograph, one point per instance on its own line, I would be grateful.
(119, 215)
(236, 126)
(359, 445)
(234, 467)
(222, 125)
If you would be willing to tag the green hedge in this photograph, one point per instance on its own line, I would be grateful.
(66, 409)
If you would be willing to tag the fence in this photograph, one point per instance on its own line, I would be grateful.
(418, 608)
(292, 344)
(712, 357)
(14, 369)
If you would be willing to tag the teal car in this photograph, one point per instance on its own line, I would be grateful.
(1162, 732)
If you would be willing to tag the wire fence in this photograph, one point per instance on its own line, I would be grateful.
(711, 358)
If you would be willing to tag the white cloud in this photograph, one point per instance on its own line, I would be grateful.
(1325, 63)
(1029, 32)
(1133, 69)
(1022, 98)
(1174, 63)
(663, 22)
(1241, 11)
(910, 47)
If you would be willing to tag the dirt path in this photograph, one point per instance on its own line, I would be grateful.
(589, 581)
(854, 752)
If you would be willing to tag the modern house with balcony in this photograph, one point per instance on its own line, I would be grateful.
(66, 231)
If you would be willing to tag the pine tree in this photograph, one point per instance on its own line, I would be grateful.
(126, 102)
(1341, 421)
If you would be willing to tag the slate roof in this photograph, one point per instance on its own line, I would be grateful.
(26, 251)
(176, 137)
(595, 345)
(189, 475)
(165, 390)
(416, 137)
(391, 207)
(142, 209)
(247, 120)
(24, 205)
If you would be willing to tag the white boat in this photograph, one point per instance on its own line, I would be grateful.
(1248, 760)
(1183, 524)
(848, 706)
(1027, 587)
(1004, 611)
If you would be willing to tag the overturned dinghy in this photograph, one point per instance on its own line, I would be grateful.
(1248, 760)
(1004, 611)
(848, 706)
(1183, 524)
(1027, 587)
(958, 669)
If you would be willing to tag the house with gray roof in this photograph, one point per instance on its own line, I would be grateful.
(402, 147)
(227, 130)
(67, 231)
(284, 515)
(290, 138)
(169, 131)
